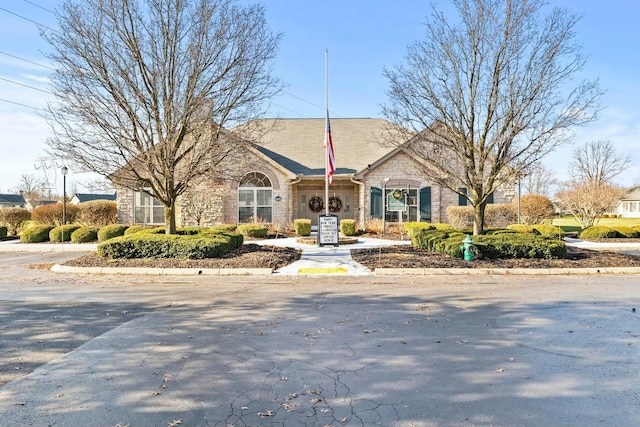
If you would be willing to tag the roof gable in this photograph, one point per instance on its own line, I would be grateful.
(298, 144)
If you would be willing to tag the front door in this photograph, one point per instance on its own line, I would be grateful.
(313, 204)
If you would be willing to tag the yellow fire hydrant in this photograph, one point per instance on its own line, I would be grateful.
(468, 249)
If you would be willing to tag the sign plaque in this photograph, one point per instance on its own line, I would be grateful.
(328, 230)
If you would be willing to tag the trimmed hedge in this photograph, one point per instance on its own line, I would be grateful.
(62, 233)
(253, 230)
(110, 231)
(625, 232)
(85, 234)
(36, 234)
(348, 227)
(52, 214)
(414, 227)
(598, 232)
(546, 230)
(147, 245)
(302, 227)
(495, 246)
(231, 228)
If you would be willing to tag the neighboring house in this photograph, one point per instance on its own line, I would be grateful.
(31, 207)
(84, 197)
(629, 206)
(282, 178)
(12, 201)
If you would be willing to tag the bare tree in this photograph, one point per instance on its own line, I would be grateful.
(144, 89)
(597, 162)
(489, 96)
(196, 204)
(31, 187)
(539, 180)
(587, 201)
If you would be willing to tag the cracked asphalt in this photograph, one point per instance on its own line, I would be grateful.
(80, 350)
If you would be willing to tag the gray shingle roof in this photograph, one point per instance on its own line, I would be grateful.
(11, 198)
(86, 197)
(297, 144)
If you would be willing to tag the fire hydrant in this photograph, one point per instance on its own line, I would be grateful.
(468, 249)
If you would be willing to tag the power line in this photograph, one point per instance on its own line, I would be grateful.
(25, 85)
(27, 60)
(41, 7)
(22, 105)
(27, 19)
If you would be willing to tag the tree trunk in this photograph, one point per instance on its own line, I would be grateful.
(170, 217)
(478, 219)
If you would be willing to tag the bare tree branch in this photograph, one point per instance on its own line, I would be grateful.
(598, 162)
(489, 96)
(144, 89)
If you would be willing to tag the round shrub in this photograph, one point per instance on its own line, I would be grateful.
(348, 227)
(98, 212)
(62, 233)
(598, 232)
(253, 230)
(36, 234)
(134, 229)
(111, 231)
(85, 234)
(14, 218)
(302, 227)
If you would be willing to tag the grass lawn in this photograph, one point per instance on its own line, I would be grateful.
(569, 224)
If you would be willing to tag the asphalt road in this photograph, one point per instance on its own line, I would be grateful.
(314, 351)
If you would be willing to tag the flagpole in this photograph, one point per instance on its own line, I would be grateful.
(326, 132)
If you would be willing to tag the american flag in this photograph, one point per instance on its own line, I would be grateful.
(328, 143)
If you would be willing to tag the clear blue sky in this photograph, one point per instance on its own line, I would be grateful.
(362, 37)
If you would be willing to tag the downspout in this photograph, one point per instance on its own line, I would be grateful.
(291, 201)
(360, 199)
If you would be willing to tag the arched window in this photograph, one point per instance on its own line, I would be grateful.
(255, 201)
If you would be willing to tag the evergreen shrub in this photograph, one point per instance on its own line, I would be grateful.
(110, 231)
(36, 234)
(302, 227)
(193, 246)
(598, 232)
(348, 227)
(62, 233)
(253, 230)
(88, 233)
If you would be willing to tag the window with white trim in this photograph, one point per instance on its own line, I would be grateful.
(255, 198)
(147, 209)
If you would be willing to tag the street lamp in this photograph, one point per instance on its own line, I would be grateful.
(64, 171)
(384, 205)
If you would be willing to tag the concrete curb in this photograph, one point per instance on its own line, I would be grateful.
(57, 268)
(504, 271)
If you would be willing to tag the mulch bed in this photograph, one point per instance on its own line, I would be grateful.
(410, 257)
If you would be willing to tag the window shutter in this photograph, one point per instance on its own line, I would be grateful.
(490, 199)
(425, 204)
(376, 203)
(462, 201)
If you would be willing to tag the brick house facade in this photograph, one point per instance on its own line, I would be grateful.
(281, 178)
